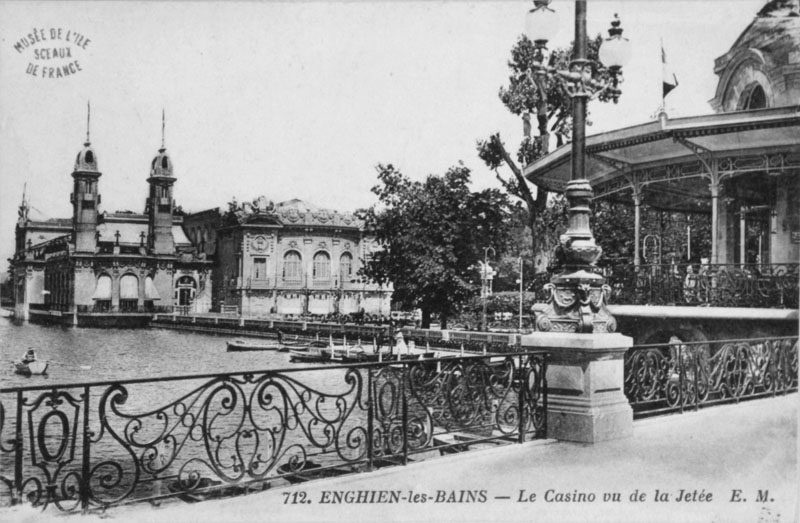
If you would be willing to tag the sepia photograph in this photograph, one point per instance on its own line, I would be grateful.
(409, 261)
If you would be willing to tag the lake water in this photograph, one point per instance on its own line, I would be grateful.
(168, 413)
(232, 429)
(122, 354)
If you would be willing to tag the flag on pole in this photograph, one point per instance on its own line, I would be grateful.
(669, 80)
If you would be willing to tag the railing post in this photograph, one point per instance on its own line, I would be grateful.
(370, 420)
(681, 376)
(18, 449)
(404, 397)
(543, 389)
(84, 486)
(696, 360)
(523, 384)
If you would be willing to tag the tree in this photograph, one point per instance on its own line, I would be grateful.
(433, 234)
(525, 95)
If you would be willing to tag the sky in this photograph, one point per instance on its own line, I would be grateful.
(301, 99)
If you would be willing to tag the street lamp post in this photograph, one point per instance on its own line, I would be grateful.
(577, 294)
(487, 274)
(520, 293)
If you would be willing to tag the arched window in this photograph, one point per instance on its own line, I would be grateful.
(292, 269)
(103, 289)
(322, 266)
(345, 267)
(128, 293)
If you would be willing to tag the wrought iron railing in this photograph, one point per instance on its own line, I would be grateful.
(675, 376)
(712, 285)
(88, 446)
(717, 285)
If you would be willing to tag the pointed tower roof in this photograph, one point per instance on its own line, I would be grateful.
(161, 164)
(86, 160)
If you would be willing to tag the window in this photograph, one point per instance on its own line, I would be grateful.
(260, 268)
(322, 266)
(756, 99)
(128, 293)
(103, 289)
(345, 267)
(292, 269)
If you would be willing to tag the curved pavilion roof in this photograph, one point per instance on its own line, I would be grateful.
(672, 160)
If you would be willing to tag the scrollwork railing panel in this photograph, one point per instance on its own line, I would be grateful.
(718, 285)
(97, 445)
(678, 375)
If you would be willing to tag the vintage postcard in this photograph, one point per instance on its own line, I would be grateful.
(530, 260)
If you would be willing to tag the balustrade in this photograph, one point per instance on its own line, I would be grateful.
(93, 445)
(716, 285)
(675, 376)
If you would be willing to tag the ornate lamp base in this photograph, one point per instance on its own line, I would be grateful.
(577, 296)
(576, 303)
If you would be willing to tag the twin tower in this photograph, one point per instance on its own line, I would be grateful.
(86, 198)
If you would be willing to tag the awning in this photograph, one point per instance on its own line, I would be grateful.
(675, 154)
(150, 291)
(129, 287)
(103, 289)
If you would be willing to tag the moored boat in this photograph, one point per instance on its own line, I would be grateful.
(31, 367)
(310, 355)
(240, 344)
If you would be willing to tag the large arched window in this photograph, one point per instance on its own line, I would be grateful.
(345, 267)
(292, 268)
(102, 293)
(128, 293)
(322, 266)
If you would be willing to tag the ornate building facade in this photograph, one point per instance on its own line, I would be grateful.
(290, 258)
(100, 265)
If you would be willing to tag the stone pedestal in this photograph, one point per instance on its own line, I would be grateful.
(585, 381)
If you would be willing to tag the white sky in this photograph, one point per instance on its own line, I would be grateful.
(302, 100)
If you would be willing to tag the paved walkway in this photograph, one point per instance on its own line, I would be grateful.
(711, 457)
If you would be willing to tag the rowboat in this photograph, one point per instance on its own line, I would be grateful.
(311, 355)
(240, 344)
(293, 344)
(31, 367)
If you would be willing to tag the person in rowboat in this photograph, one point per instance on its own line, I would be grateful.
(30, 356)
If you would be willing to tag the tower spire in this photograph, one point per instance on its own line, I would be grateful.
(88, 119)
(24, 206)
(163, 126)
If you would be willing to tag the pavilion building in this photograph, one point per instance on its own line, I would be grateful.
(740, 167)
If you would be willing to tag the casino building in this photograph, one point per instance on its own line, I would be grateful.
(100, 268)
(256, 259)
(290, 258)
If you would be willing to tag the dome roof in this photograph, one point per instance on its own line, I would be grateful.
(161, 164)
(87, 159)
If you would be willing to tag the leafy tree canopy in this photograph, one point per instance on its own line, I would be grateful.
(434, 232)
